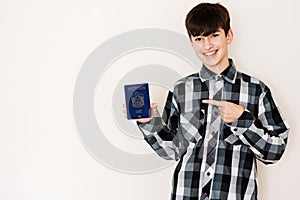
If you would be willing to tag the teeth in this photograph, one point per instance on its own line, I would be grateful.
(210, 53)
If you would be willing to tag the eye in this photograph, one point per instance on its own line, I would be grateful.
(215, 35)
(198, 39)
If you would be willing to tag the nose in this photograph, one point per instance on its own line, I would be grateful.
(207, 44)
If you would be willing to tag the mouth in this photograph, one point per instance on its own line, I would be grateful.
(211, 53)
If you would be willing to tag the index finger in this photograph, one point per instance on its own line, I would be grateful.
(213, 102)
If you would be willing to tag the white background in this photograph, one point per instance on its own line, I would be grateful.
(42, 47)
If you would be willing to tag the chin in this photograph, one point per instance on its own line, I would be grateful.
(210, 64)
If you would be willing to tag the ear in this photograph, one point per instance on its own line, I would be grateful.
(192, 43)
(229, 36)
(191, 40)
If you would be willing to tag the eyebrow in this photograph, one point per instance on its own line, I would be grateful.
(217, 31)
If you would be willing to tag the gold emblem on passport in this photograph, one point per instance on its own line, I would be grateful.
(137, 100)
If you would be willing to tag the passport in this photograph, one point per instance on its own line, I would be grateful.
(137, 101)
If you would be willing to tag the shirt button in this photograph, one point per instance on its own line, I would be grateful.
(208, 173)
(235, 129)
(218, 77)
(216, 113)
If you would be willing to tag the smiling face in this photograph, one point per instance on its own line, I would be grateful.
(213, 49)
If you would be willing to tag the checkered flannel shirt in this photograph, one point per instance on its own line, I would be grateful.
(261, 133)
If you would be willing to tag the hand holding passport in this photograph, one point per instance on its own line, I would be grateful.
(138, 102)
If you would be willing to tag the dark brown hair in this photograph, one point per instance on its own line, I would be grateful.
(207, 18)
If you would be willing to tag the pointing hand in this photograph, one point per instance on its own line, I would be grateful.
(229, 111)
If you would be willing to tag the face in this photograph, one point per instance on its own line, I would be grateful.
(212, 49)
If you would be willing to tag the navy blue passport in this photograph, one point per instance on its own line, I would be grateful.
(137, 101)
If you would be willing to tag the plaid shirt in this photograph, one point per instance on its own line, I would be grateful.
(260, 133)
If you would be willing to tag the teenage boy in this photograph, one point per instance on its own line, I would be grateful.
(216, 122)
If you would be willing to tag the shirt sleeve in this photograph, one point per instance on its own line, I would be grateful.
(161, 132)
(266, 135)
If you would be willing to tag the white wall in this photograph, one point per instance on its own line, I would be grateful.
(43, 45)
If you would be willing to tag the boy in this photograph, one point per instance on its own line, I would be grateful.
(216, 122)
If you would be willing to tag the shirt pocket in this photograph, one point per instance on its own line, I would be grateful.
(191, 125)
(231, 138)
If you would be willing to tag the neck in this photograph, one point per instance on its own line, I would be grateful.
(219, 68)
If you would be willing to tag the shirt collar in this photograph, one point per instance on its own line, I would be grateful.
(229, 74)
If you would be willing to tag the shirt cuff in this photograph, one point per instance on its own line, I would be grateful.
(153, 125)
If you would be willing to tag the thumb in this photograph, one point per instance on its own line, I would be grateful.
(154, 105)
